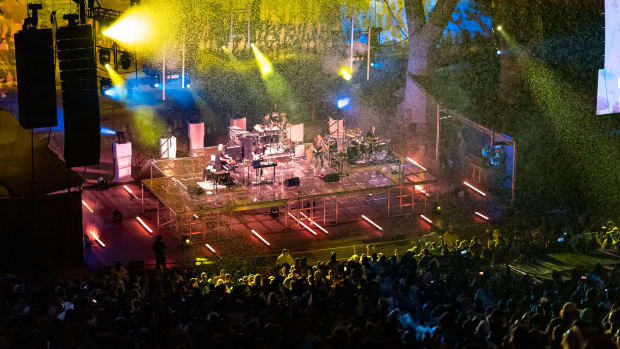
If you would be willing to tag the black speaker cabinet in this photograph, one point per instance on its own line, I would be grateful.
(292, 182)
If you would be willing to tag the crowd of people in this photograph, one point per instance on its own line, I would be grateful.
(449, 293)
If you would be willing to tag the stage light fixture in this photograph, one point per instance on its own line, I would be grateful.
(144, 225)
(345, 73)
(210, 248)
(415, 163)
(92, 233)
(133, 28)
(474, 188)
(260, 237)
(88, 207)
(315, 224)
(499, 27)
(125, 60)
(104, 85)
(343, 102)
(371, 222)
(303, 224)
(499, 52)
(266, 69)
(481, 215)
(428, 220)
(104, 57)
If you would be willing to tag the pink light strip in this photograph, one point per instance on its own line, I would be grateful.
(210, 248)
(260, 237)
(481, 215)
(144, 225)
(303, 224)
(426, 219)
(88, 207)
(316, 224)
(129, 190)
(415, 163)
(419, 188)
(97, 239)
(371, 222)
(475, 189)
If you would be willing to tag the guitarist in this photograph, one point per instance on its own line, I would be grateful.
(318, 148)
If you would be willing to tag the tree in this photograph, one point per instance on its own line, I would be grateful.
(423, 34)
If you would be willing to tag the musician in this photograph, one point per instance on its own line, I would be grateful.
(318, 148)
(371, 134)
(258, 152)
(223, 160)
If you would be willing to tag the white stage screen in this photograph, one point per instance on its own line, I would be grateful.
(608, 94)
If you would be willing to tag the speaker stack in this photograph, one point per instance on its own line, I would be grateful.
(36, 82)
(80, 95)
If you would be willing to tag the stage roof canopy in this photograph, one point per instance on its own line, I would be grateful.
(51, 173)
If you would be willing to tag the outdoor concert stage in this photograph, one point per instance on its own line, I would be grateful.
(213, 215)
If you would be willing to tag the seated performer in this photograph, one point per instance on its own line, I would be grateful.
(258, 152)
(224, 160)
(371, 134)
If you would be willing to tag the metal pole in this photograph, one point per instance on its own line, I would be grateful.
(368, 59)
(163, 78)
(249, 16)
(230, 35)
(351, 55)
(514, 170)
(437, 139)
(183, 64)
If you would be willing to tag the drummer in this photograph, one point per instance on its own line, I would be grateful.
(371, 134)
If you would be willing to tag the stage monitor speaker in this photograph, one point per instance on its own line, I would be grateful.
(36, 81)
(234, 151)
(80, 94)
(331, 177)
(292, 182)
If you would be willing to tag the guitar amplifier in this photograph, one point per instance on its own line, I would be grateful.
(234, 151)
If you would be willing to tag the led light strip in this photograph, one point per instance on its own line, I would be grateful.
(129, 190)
(144, 225)
(210, 248)
(97, 239)
(371, 222)
(421, 190)
(88, 207)
(260, 237)
(475, 189)
(415, 163)
(481, 215)
(426, 219)
(315, 224)
(303, 224)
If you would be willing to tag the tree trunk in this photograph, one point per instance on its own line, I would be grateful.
(423, 34)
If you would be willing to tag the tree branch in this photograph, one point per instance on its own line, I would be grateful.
(439, 17)
(414, 10)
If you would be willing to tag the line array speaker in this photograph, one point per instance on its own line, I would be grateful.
(80, 95)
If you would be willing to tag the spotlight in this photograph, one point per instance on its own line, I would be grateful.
(345, 73)
(343, 102)
(499, 27)
(104, 57)
(125, 60)
(105, 84)
(499, 52)
(266, 69)
(156, 85)
(187, 86)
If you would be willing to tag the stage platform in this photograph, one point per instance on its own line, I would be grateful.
(186, 210)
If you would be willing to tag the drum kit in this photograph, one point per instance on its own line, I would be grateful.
(369, 150)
